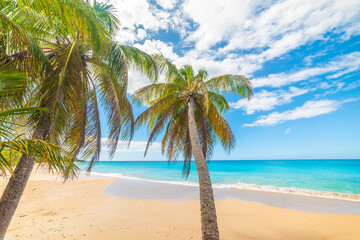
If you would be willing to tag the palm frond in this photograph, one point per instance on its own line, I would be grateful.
(42, 152)
(150, 115)
(172, 74)
(12, 90)
(228, 83)
(148, 93)
(93, 132)
(19, 40)
(107, 12)
(123, 54)
(160, 123)
(176, 142)
(221, 128)
(219, 101)
(113, 97)
(202, 74)
(187, 73)
(70, 18)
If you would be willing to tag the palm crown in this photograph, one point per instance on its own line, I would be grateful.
(168, 109)
(13, 144)
(73, 64)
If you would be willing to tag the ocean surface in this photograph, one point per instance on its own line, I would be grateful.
(322, 178)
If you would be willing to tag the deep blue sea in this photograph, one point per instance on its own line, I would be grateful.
(340, 176)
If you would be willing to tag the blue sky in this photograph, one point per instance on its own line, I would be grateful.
(303, 58)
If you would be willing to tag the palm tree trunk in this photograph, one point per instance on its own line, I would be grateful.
(15, 187)
(209, 225)
(13, 192)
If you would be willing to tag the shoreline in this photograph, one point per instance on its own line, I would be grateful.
(79, 209)
(242, 186)
(130, 188)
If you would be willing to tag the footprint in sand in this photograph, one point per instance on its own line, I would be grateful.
(49, 213)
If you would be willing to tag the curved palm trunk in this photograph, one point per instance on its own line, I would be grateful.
(15, 187)
(208, 212)
(13, 192)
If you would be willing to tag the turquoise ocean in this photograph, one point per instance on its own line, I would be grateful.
(336, 176)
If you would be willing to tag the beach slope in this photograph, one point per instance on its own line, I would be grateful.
(80, 209)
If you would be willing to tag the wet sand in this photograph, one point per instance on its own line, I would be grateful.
(143, 189)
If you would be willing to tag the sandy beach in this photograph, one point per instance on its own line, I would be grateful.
(79, 209)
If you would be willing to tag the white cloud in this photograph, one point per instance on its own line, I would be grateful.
(352, 30)
(333, 87)
(265, 100)
(214, 66)
(218, 21)
(275, 26)
(308, 110)
(140, 13)
(279, 26)
(338, 67)
(287, 131)
(136, 81)
(338, 87)
(141, 34)
(156, 46)
(135, 146)
(135, 13)
(348, 69)
(308, 60)
(126, 35)
(267, 28)
(166, 4)
(352, 86)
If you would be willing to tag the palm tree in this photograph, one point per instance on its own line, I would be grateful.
(189, 108)
(66, 48)
(14, 144)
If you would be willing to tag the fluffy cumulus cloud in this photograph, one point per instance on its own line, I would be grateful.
(270, 28)
(267, 28)
(308, 110)
(278, 25)
(135, 146)
(139, 17)
(157, 46)
(240, 37)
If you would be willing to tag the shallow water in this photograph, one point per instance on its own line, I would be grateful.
(304, 177)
